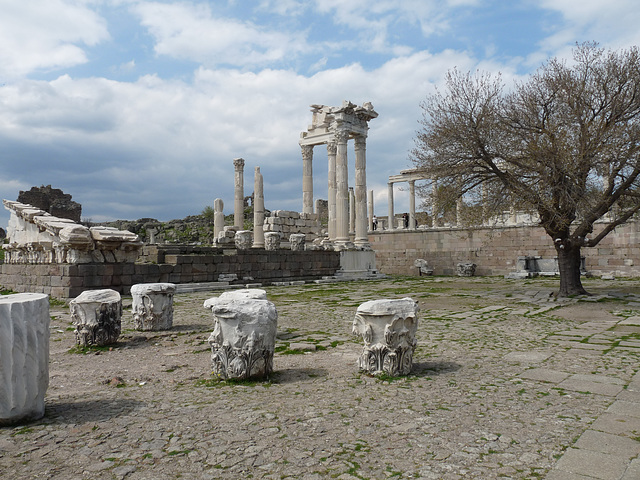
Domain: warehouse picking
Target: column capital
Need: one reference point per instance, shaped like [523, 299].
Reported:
[332, 148]
[307, 152]
[341, 136]
[238, 163]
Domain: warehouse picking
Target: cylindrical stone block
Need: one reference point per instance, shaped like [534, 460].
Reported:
[244, 336]
[152, 306]
[388, 328]
[97, 315]
[24, 356]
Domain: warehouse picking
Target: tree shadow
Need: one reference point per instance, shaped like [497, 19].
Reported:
[85, 411]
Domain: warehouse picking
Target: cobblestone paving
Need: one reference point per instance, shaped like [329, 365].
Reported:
[508, 382]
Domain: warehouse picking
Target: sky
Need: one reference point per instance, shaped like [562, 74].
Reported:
[137, 108]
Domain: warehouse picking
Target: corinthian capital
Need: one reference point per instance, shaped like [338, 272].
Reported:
[238, 163]
[360, 142]
[307, 152]
[341, 136]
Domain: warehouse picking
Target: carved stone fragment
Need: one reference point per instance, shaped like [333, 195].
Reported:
[466, 269]
[297, 241]
[97, 315]
[244, 334]
[244, 239]
[388, 328]
[271, 241]
[152, 306]
[24, 356]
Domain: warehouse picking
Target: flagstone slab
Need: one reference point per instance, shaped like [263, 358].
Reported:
[577, 385]
[621, 407]
[602, 466]
[617, 424]
[607, 443]
[544, 375]
[527, 357]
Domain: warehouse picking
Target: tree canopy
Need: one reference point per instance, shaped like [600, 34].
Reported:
[564, 144]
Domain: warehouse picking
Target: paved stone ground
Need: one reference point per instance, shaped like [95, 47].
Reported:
[507, 382]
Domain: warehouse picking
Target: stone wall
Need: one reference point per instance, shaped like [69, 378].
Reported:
[496, 250]
[68, 281]
[287, 222]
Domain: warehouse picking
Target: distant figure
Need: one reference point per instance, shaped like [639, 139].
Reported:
[405, 219]
[374, 220]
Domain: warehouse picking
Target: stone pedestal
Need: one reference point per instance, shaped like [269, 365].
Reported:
[24, 356]
[153, 306]
[388, 328]
[97, 315]
[297, 241]
[244, 335]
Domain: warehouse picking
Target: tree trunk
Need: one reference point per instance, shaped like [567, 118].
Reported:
[569, 265]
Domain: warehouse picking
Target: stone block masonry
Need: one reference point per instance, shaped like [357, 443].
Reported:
[495, 250]
[184, 265]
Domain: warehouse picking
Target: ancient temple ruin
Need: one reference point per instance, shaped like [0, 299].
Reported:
[333, 127]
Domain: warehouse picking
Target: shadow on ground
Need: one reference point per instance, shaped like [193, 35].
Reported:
[423, 369]
[69, 412]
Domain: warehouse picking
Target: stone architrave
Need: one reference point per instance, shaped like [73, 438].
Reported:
[258, 210]
[152, 306]
[36, 237]
[97, 316]
[244, 334]
[466, 269]
[272, 241]
[238, 204]
[218, 217]
[244, 239]
[297, 241]
[24, 356]
[388, 328]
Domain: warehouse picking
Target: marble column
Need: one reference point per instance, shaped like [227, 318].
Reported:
[342, 189]
[371, 213]
[218, 217]
[307, 178]
[24, 357]
[390, 220]
[412, 204]
[361, 238]
[238, 204]
[258, 210]
[352, 212]
[331, 154]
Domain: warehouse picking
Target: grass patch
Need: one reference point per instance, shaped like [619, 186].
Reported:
[85, 350]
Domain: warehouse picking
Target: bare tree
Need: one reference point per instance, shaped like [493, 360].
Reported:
[565, 145]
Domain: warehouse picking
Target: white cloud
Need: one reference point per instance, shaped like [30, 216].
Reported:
[614, 23]
[46, 34]
[193, 32]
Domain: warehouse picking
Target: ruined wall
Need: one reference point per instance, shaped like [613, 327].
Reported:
[495, 250]
[68, 281]
[53, 201]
